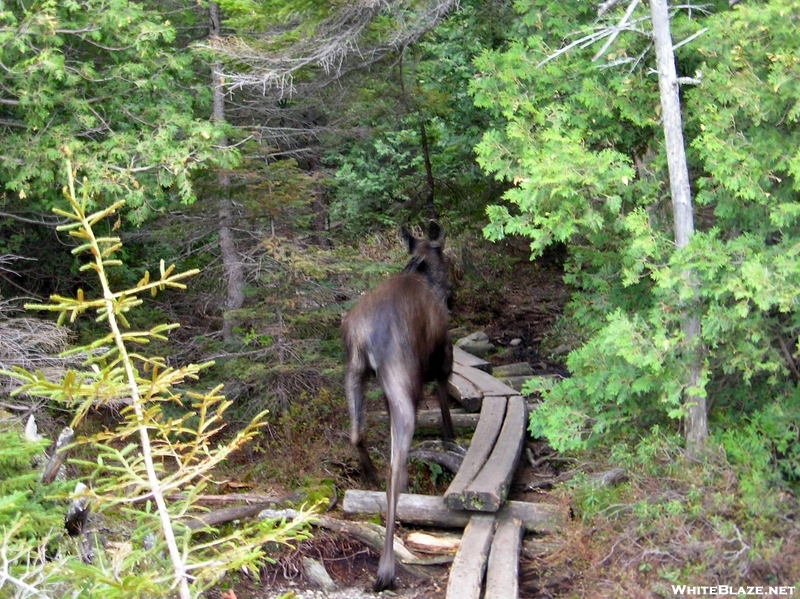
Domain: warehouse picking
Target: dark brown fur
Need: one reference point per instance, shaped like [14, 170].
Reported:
[399, 332]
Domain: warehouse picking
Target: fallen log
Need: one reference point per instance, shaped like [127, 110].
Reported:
[448, 459]
[509, 370]
[438, 543]
[228, 514]
[429, 510]
[59, 456]
[371, 535]
[538, 547]
[230, 498]
[431, 420]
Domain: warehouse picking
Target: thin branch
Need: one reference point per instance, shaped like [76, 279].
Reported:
[790, 363]
[622, 22]
[337, 47]
[44, 221]
[604, 7]
[690, 38]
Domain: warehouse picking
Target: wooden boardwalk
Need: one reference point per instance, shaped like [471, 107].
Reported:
[488, 557]
[487, 562]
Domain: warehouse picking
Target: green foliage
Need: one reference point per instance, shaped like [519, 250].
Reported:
[680, 521]
[109, 81]
[580, 144]
[379, 175]
[26, 504]
[149, 454]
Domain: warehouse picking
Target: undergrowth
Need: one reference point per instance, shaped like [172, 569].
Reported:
[142, 476]
[674, 521]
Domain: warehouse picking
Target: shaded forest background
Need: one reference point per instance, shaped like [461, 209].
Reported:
[276, 147]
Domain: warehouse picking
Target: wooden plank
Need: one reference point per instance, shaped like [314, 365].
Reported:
[464, 391]
[469, 565]
[485, 382]
[437, 543]
[502, 573]
[483, 442]
[516, 382]
[489, 489]
[516, 369]
[467, 359]
[430, 510]
[431, 420]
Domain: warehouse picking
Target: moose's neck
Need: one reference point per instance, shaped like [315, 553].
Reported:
[435, 279]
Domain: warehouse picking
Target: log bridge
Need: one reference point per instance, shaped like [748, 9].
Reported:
[487, 562]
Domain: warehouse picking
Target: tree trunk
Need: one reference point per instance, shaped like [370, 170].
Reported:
[694, 399]
[429, 195]
[232, 265]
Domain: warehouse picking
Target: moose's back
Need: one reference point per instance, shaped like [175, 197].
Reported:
[403, 322]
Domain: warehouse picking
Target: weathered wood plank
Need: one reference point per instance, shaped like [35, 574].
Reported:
[516, 369]
[502, 573]
[485, 382]
[469, 565]
[516, 382]
[489, 489]
[467, 359]
[440, 542]
[431, 420]
[430, 510]
[483, 442]
[464, 391]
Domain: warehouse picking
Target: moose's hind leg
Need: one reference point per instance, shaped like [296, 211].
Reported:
[448, 432]
[402, 420]
[354, 388]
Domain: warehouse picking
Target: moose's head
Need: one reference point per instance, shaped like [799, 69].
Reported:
[428, 260]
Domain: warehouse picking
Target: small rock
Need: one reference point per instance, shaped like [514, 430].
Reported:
[459, 332]
[505, 354]
[477, 344]
[515, 342]
[317, 575]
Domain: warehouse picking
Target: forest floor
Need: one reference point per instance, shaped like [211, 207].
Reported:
[518, 300]
[674, 520]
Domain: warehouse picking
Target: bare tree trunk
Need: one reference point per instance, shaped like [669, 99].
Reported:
[428, 169]
[423, 137]
[232, 265]
[695, 401]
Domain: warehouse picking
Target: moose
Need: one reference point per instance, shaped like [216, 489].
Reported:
[399, 333]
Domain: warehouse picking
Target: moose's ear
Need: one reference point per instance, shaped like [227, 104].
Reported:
[408, 239]
[435, 232]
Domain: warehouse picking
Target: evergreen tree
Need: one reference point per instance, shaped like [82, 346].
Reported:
[579, 142]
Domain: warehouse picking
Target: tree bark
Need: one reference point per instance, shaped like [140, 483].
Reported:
[429, 195]
[232, 265]
[430, 510]
[683, 219]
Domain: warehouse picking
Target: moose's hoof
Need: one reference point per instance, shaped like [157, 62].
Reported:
[382, 584]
